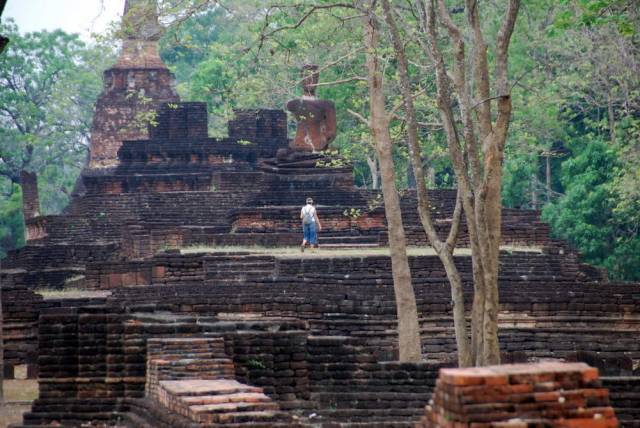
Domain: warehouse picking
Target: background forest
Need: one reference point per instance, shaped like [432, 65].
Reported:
[574, 143]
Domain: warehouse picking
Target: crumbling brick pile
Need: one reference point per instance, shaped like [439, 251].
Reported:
[550, 394]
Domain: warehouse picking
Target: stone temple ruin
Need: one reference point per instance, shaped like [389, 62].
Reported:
[173, 338]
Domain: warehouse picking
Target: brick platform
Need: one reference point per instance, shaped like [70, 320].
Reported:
[554, 395]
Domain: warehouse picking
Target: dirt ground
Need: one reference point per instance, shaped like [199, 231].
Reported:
[18, 395]
[12, 413]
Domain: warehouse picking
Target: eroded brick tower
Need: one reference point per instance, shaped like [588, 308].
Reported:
[136, 85]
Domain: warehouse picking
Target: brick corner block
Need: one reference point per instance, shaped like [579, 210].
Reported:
[549, 394]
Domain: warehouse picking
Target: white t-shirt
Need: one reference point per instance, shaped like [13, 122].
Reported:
[309, 210]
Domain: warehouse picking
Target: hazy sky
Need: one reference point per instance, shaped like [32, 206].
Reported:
[73, 16]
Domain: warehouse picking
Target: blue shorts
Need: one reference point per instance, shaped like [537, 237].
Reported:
[310, 234]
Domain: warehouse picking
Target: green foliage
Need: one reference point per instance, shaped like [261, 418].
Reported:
[375, 202]
[48, 84]
[352, 213]
[576, 99]
[333, 160]
[587, 216]
[587, 13]
[11, 223]
[256, 364]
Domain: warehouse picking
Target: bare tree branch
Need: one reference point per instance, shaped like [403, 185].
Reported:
[360, 117]
[264, 36]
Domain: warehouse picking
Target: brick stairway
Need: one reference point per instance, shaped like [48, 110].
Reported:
[194, 378]
[238, 268]
[220, 402]
[344, 240]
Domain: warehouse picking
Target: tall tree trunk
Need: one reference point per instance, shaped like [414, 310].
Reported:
[548, 176]
[444, 250]
[466, 183]
[612, 118]
[479, 174]
[534, 192]
[409, 345]
[372, 162]
[411, 177]
[431, 175]
[490, 238]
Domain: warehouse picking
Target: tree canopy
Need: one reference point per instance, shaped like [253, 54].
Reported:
[49, 82]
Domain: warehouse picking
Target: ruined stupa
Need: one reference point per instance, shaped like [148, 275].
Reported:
[136, 84]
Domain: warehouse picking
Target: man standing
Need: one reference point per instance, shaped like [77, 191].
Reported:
[310, 225]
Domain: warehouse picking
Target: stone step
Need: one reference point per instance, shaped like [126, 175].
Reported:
[411, 400]
[248, 417]
[200, 387]
[285, 423]
[240, 397]
[349, 245]
[216, 355]
[200, 360]
[239, 268]
[267, 424]
[371, 424]
[235, 263]
[626, 395]
[382, 417]
[239, 276]
[238, 257]
[340, 235]
[212, 413]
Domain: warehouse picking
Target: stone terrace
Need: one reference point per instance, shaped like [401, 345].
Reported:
[263, 340]
[317, 343]
[182, 188]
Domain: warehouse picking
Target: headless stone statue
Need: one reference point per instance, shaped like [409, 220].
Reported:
[316, 118]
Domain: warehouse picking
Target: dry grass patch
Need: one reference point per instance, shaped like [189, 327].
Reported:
[20, 390]
[12, 413]
[18, 395]
[335, 252]
[71, 293]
